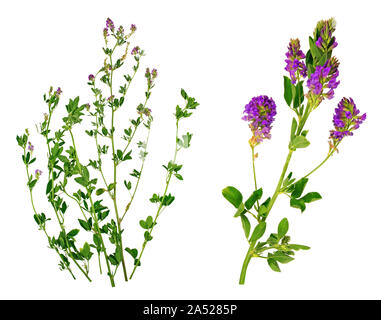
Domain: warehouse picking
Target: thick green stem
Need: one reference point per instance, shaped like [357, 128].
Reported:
[246, 262]
[115, 164]
[279, 185]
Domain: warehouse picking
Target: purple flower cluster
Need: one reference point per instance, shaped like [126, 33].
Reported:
[150, 75]
[105, 33]
[110, 25]
[295, 66]
[91, 77]
[58, 92]
[136, 50]
[324, 30]
[133, 28]
[260, 113]
[324, 77]
[346, 119]
[38, 173]
[30, 146]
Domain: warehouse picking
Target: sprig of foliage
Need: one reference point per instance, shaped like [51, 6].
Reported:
[321, 70]
[172, 169]
[85, 184]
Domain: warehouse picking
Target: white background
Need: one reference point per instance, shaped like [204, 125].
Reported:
[223, 53]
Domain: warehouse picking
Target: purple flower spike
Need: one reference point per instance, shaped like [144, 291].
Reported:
[346, 119]
[260, 113]
[295, 66]
[324, 34]
[91, 77]
[154, 73]
[324, 77]
[110, 24]
[105, 33]
[133, 28]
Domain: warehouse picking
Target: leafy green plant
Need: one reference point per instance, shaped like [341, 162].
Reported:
[321, 70]
[75, 186]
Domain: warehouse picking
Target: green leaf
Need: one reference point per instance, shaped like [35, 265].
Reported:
[85, 173]
[262, 211]
[273, 264]
[132, 252]
[118, 254]
[316, 53]
[113, 260]
[184, 94]
[85, 251]
[245, 225]
[299, 142]
[84, 224]
[233, 196]
[311, 196]
[293, 128]
[119, 153]
[82, 181]
[240, 210]
[73, 233]
[258, 232]
[147, 236]
[287, 90]
[179, 176]
[49, 186]
[97, 241]
[299, 95]
[143, 224]
[149, 222]
[299, 188]
[255, 196]
[297, 203]
[282, 228]
[282, 257]
[298, 247]
[100, 191]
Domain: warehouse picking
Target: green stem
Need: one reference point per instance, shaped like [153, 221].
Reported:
[324, 161]
[96, 224]
[118, 221]
[246, 262]
[62, 227]
[169, 176]
[255, 178]
[137, 182]
[279, 185]
[43, 226]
